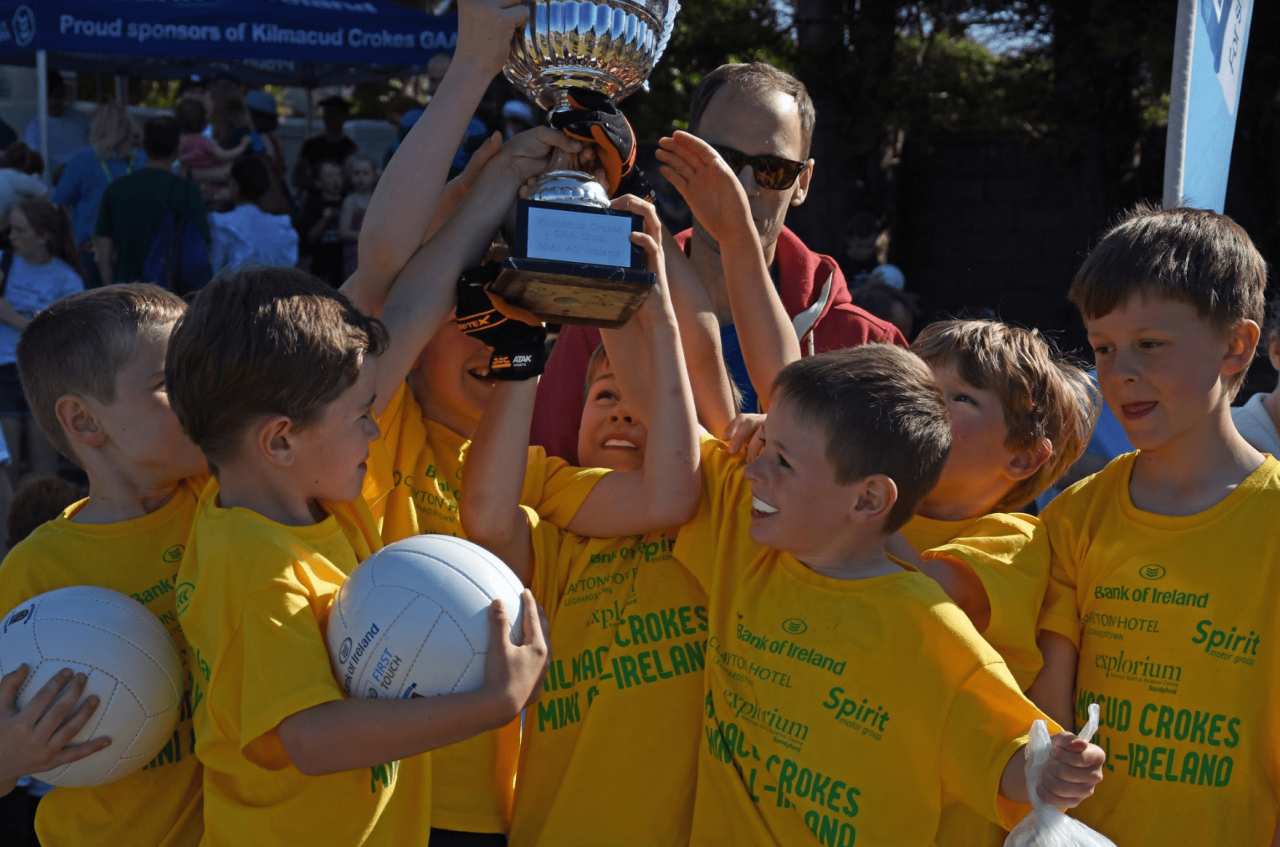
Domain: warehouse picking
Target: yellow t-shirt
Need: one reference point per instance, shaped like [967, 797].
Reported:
[254, 596]
[1009, 554]
[837, 710]
[160, 804]
[1175, 619]
[927, 533]
[412, 487]
[628, 636]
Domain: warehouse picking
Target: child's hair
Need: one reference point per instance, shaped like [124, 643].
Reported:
[79, 344]
[19, 157]
[595, 366]
[1042, 394]
[38, 500]
[883, 413]
[263, 341]
[53, 224]
[1194, 255]
[190, 115]
[349, 168]
[252, 177]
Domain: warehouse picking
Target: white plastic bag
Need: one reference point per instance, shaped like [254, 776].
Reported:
[1047, 826]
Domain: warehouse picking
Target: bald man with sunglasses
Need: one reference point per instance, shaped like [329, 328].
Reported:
[760, 121]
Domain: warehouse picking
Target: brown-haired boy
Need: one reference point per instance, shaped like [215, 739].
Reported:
[844, 694]
[1161, 604]
[93, 367]
[273, 374]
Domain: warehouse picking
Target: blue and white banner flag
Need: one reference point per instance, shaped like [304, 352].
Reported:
[1208, 67]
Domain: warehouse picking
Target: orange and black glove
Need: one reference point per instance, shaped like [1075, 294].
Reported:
[595, 119]
[517, 337]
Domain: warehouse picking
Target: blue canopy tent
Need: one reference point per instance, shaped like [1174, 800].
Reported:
[289, 42]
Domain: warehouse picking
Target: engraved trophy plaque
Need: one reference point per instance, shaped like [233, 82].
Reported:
[572, 260]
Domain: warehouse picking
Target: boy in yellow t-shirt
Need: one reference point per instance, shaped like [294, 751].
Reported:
[628, 623]
[845, 696]
[93, 367]
[1161, 605]
[273, 375]
[416, 467]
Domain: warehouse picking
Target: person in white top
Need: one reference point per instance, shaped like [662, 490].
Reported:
[247, 234]
[1259, 419]
[41, 266]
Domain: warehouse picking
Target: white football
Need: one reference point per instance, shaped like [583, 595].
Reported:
[412, 620]
[129, 658]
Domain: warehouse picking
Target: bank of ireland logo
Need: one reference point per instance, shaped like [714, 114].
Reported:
[24, 26]
[174, 553]
[794, 626]
[345, 652]
[1152, 572]
[373, 693]
[182, 596]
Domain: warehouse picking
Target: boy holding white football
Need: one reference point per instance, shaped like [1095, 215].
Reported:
[93, 368]
[274, 376]
[616, 691]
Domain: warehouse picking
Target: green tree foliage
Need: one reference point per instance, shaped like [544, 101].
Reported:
[707, 34]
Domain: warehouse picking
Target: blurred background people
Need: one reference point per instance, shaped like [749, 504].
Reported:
[113, 153]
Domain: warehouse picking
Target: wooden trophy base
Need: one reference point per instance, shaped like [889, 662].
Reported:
[575, 264]
[569, 293]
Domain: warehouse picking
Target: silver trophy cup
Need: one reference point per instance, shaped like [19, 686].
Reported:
[572, 260]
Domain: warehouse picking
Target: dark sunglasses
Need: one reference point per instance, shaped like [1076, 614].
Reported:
[772, 172]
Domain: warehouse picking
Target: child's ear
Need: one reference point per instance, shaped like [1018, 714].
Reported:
[875, 498]
[1025, 463]
[78, 422]
[1242, 341]
[274, 440]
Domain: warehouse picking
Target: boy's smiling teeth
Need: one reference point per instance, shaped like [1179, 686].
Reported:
[761, 506]
[618, 442]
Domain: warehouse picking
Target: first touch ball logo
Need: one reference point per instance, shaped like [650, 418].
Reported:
[373, 692]
[344, 652]
[17, 618]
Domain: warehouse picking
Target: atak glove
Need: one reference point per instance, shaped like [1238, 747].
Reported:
[595, 119]
[517, 337]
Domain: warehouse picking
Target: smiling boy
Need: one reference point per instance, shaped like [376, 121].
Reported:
[845, 695]
[1161, 603]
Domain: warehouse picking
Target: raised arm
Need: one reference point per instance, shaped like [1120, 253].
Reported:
[700, 340]
[424, 291]
[717, 200]
[649, 363]
[404, 202]
[489, 505]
